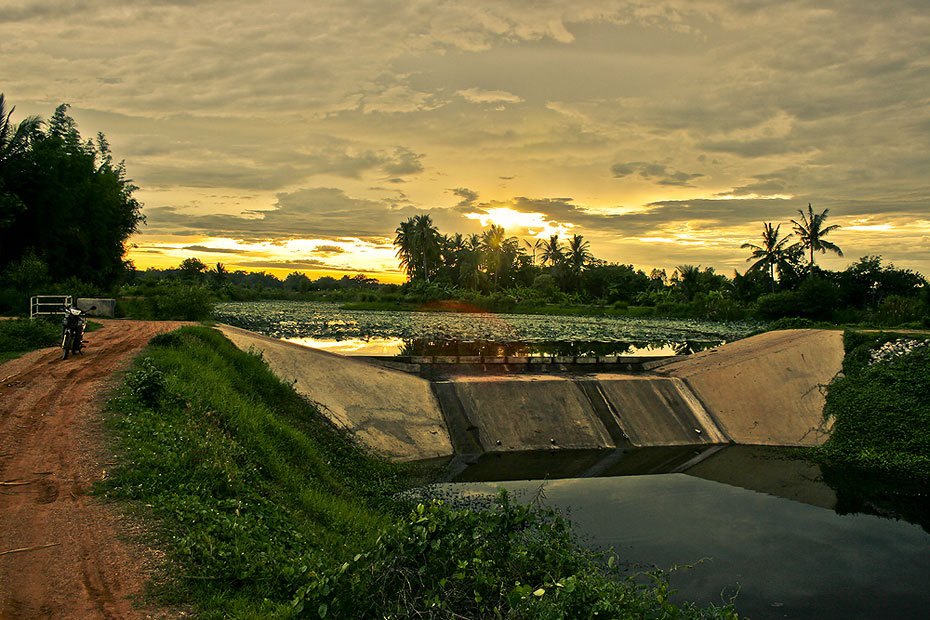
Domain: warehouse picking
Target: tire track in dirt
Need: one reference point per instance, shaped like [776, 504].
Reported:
[50, 455]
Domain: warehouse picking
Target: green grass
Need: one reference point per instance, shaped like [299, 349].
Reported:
[18, 336]
[266, 511]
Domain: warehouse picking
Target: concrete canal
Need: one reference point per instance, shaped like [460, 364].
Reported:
[724, 495]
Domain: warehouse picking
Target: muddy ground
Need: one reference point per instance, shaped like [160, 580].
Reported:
[63, 553]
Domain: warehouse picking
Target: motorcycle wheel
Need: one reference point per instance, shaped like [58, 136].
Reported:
[66, 345]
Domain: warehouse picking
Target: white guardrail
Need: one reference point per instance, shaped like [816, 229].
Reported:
[42, 305]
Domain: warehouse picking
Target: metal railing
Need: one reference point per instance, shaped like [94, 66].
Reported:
[41, 305]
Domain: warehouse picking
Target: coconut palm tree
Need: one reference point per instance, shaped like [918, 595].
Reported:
[774, 253]
[552, 251]
[578, 254]
[492, 243]
[426, 242]
[533, 247]
[810, 231]
[405, 241]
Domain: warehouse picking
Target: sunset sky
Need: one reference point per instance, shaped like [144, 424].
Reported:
[296, 135]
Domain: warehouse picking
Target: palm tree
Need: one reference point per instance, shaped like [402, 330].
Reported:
[810, 231]
[688, 280]
[552, 251]
[533, 247]
[405, 240]
[772, 254]
[426, 237]
[493, 244]
[578, 254]
[14, 139]
[219, 273]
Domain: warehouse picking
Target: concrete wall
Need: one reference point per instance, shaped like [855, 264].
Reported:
[102, 306]
[764, 390]
[768, 389]
[393, 413]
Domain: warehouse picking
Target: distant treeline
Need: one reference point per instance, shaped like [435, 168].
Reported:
[867, 291]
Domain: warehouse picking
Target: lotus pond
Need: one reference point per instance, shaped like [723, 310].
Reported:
[373, 332]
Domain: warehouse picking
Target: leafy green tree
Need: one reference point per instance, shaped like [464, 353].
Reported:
[219, 274]
[774, 253]
[192, 269]
[65, 200]
[15, 141]
[811, 231]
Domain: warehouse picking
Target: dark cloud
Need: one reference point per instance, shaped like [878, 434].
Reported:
[309, 213]
[328, 249]
[404, 162]
[203, 248]
[762, 147]
[659, 173]
[306, 263]
[468, 198]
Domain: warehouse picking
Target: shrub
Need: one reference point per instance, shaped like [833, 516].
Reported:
[880, 410]
[511, 561]
[779, 305]
[895, 310]
[20, 335]
[167, 301]
[792, 323]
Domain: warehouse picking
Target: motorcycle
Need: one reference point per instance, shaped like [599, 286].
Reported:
[72, 330]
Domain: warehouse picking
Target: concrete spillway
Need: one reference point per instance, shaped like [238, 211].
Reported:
[764, 390]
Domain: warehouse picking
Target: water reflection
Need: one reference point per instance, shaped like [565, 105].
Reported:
[422, 346]
[785, 559]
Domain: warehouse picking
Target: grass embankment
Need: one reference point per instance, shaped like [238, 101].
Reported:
[265, 511]
[881, 409]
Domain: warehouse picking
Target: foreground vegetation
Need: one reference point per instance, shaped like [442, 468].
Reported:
[880, 409]
[18, 336]
[266, 511]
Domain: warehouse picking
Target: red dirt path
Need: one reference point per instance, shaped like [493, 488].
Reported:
[51, 454]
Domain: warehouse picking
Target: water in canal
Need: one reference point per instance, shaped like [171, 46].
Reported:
[752, 523]
[780, 546]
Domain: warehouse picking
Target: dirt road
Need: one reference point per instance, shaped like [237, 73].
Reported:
[62, 555]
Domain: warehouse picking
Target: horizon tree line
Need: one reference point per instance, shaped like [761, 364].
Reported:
[487, 260]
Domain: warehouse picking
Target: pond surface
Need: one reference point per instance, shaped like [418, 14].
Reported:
[782, 558]
[364, 332]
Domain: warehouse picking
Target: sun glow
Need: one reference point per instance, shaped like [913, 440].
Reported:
[314, 257]
[535, 224]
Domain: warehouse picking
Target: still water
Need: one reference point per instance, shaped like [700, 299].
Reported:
[781, 558]
[361, 332]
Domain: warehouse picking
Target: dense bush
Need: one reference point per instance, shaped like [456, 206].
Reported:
[170, 300]
[880, 410]
[19, 335]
